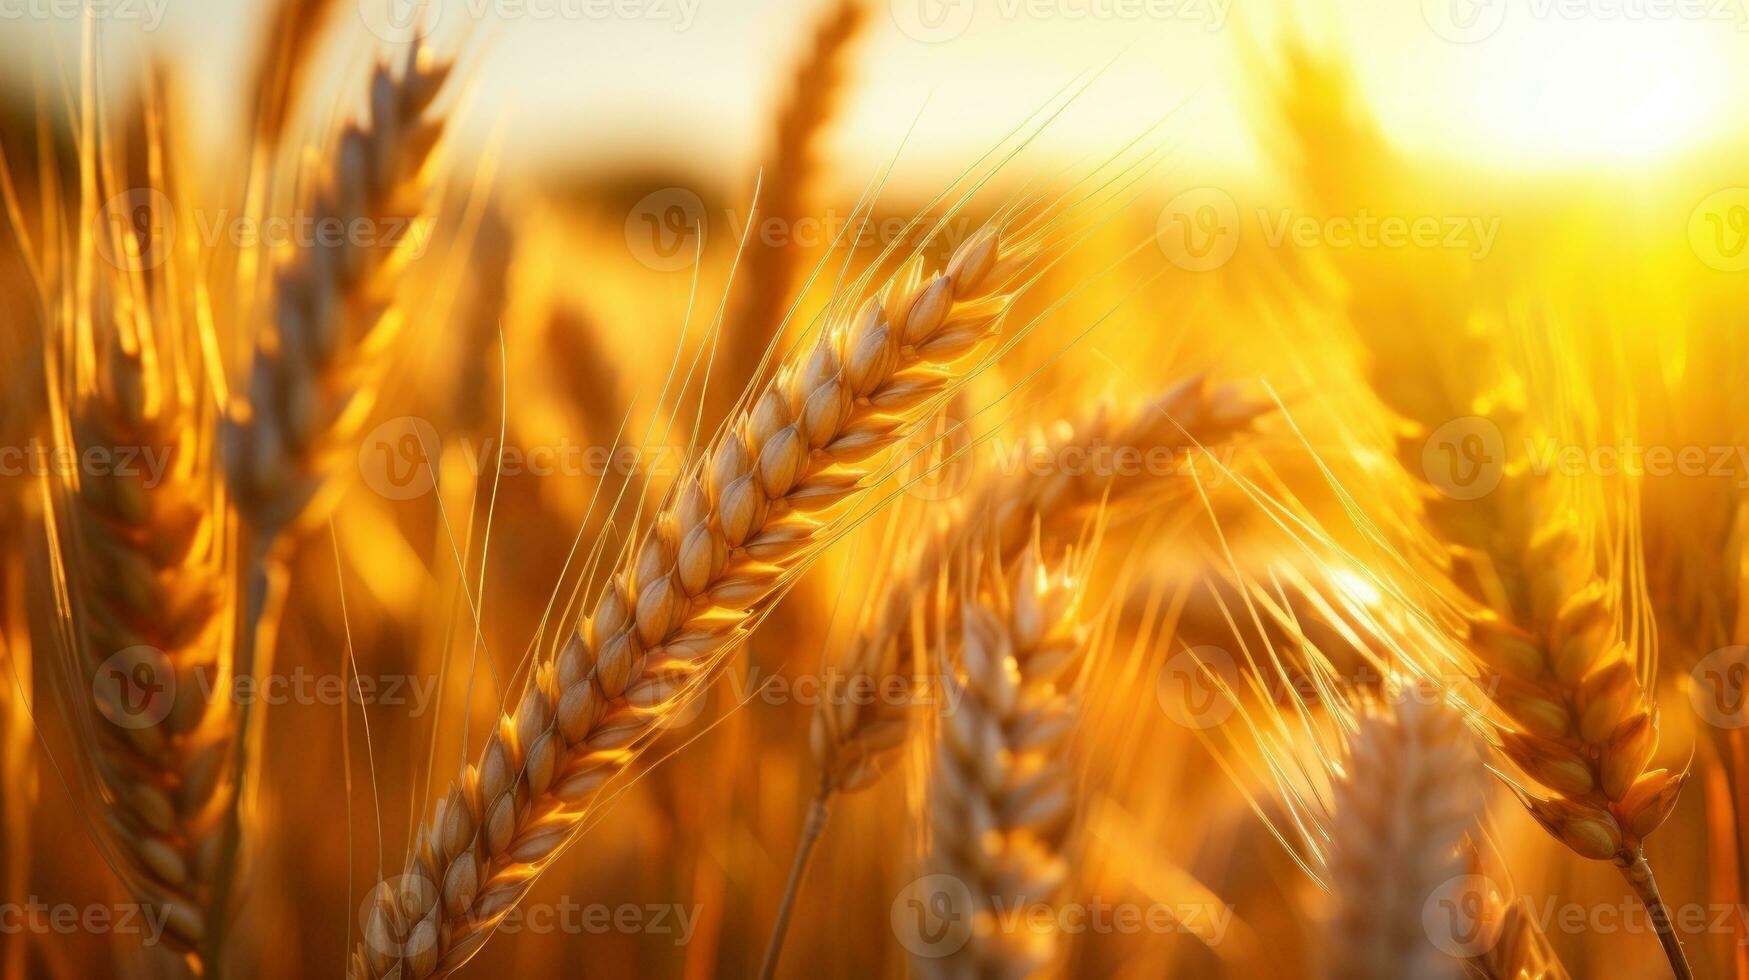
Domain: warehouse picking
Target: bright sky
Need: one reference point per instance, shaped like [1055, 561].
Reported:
[1547, 84]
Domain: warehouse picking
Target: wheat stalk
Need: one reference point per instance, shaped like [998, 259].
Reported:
[314, 375]
[1000, 791]
[18, 778]
[717, 553]
[1406, 796]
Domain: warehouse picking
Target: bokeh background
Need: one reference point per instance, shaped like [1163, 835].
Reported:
[1584, 165]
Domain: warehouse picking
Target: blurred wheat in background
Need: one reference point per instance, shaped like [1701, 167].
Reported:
[954, 488]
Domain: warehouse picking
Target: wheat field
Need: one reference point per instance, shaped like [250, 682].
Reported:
[874, 488]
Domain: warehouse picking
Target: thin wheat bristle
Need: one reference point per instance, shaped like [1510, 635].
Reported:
[1001, 787]
[706, 568]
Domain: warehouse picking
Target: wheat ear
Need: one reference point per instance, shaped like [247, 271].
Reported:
[852, 738]
[718, 551]
[314, 375]
[151, 581]
[1408, 792]
[1000, 791]
[853, 735]
[1545, 635]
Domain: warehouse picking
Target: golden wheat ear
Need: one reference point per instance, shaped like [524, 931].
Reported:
[738, 526]
[149, 579]
[1001, 787]
[853, 738]
[1408, 793]
[333, 313]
